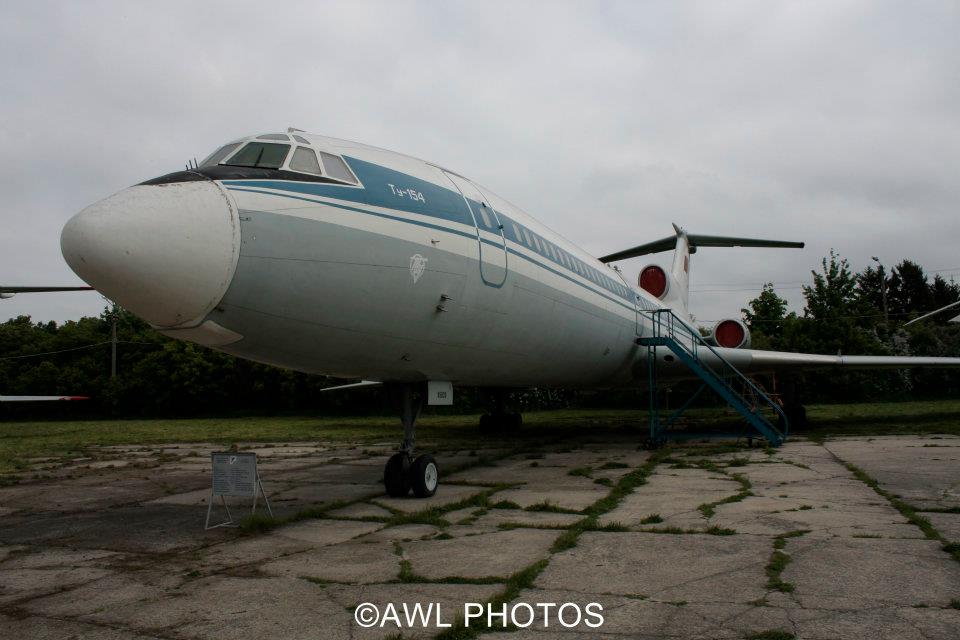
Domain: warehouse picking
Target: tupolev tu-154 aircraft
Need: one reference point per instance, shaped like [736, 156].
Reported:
[332, 257]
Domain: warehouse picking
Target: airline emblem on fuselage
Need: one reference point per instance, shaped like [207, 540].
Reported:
[417, 266]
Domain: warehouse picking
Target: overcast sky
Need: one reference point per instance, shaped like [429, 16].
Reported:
[836, 123]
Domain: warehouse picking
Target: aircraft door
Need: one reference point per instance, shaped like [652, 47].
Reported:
[493, 247]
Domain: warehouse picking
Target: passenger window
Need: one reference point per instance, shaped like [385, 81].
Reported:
[337, 168]
[526, 237]
[260, 154]
[305, 160]
[516, 232]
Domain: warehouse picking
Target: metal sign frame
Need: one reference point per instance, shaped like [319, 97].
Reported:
[234, 474]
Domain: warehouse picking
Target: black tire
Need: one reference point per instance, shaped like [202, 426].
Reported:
[424, 476]
[396, 475]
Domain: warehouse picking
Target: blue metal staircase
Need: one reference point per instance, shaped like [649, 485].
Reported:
[686, 343]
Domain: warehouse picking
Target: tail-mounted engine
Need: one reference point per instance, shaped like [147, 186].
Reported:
[654, 281]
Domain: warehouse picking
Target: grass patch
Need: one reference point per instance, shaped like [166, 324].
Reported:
[779, 561]
[613, 465]
[719, 531]
[548, 507]
[709, 509]
[606, 482]
[652, 519]
[613, 527]
[22, 440]
[583, 472]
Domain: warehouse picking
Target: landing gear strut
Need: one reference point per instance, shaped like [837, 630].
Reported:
[403, 471]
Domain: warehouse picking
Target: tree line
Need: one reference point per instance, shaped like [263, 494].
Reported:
[845, 312]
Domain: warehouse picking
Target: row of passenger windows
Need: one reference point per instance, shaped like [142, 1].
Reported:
[270, 155]
[549, 250]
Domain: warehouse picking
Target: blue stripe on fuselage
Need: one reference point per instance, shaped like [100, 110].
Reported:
[448, 230]
[445, 204]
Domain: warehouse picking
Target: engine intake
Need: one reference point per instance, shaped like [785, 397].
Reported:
[654, 281]
[731, 334]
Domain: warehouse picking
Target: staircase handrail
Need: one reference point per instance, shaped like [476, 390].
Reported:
[655, 314]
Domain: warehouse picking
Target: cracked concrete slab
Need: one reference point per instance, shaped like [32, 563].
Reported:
[702, 568]
[674, 495]
[494, 554]
[640, 617]
[858, 573]
[893, 462]
[774, 516]
[357, 562]
[132, 560]
[40, 628]
[948, 524]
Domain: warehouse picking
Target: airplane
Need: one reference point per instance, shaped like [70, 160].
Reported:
[338, 258]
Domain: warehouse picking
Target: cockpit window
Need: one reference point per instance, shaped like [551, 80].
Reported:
[300, 139]
[305, 160]
[219, 154]
[260, 154]
[337, 168]
[273, 136]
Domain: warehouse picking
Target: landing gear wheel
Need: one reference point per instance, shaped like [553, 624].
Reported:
[396, 475]
[424, 476]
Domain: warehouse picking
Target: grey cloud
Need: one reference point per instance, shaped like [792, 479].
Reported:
[836, 123]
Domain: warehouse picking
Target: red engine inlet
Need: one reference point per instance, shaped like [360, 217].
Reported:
[731, 334]
[654, 281]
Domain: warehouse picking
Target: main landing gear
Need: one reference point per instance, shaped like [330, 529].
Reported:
[403, 471]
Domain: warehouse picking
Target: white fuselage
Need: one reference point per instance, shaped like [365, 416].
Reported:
[401, 272]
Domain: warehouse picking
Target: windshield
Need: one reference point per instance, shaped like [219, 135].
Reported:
[260, 154]
[219, 154]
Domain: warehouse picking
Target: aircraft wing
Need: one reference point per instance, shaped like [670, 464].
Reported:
[40, 398]
[754, 360]
[9, 292]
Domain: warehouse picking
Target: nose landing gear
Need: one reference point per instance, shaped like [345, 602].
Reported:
[403, 471]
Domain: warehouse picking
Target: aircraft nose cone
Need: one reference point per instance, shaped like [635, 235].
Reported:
[164, 252]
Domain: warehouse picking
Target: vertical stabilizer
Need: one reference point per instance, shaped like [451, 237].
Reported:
[678, 295]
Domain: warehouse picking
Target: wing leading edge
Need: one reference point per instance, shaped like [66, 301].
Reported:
[762, 361]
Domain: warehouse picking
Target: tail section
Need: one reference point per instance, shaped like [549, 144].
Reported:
[678, 296]
[676, 292]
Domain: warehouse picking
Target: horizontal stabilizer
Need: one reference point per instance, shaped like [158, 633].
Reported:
[696, 240]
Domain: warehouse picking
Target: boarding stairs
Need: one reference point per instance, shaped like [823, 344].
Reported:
[764, 417]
